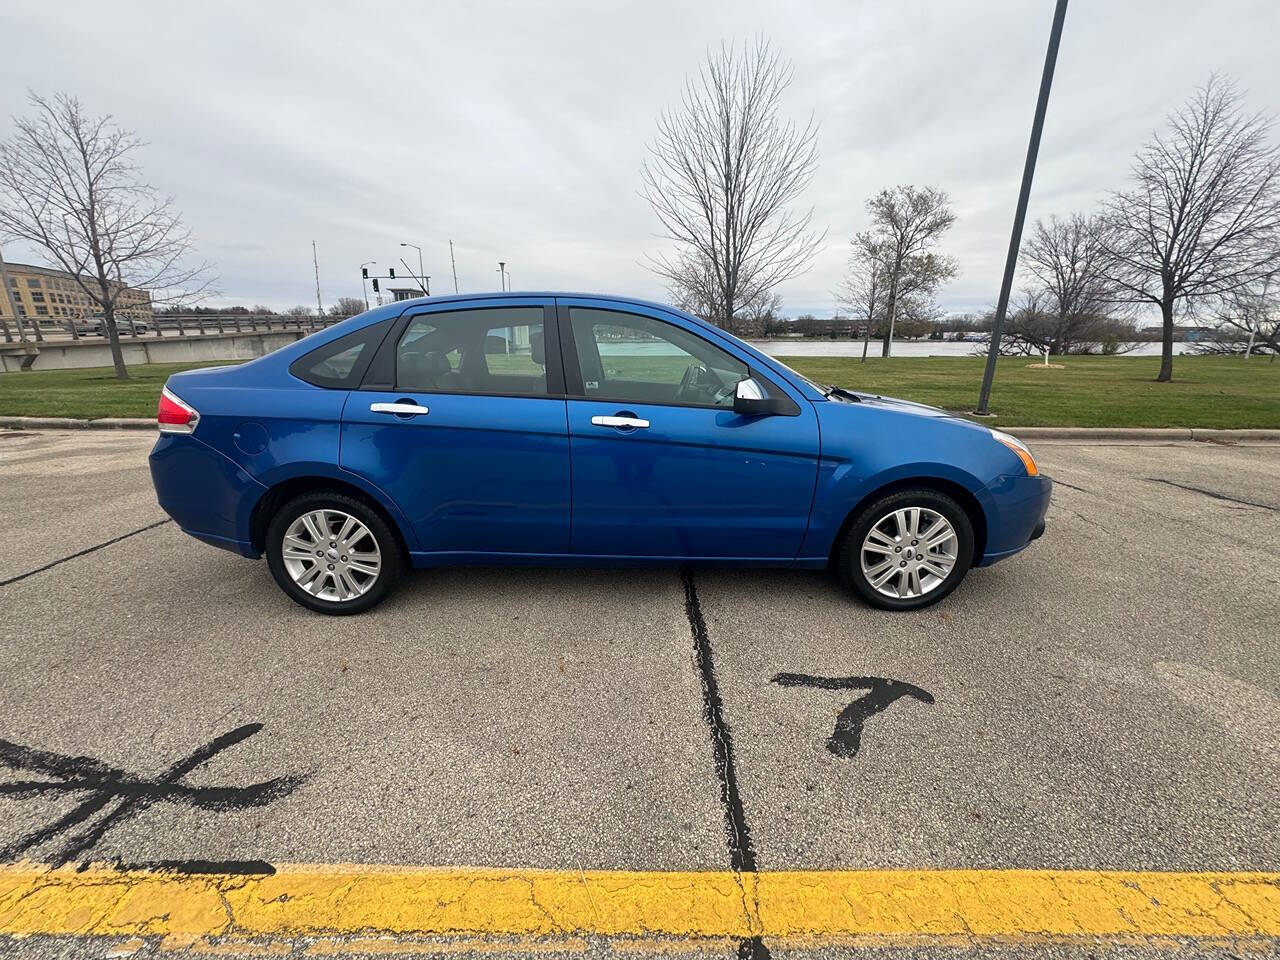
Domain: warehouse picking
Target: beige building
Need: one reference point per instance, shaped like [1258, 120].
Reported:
[53, 298]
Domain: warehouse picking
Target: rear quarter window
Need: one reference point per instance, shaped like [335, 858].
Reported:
[341, 363]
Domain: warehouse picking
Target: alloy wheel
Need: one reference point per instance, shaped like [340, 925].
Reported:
[909, 553]
[331, 555]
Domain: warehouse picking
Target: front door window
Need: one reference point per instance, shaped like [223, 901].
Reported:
[636, 359]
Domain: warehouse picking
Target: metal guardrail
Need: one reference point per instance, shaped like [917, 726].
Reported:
[194, 325]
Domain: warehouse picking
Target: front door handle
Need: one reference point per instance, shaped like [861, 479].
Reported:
[401, 409]
[633, 423]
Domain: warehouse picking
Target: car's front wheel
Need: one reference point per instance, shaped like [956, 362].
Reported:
[907, 550]
[333, 553]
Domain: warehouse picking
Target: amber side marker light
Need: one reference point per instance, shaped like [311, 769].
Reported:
[1020, 448]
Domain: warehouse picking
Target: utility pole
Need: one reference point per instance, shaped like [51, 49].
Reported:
[315, 262]
[1028, 172]
[453, 263]
[364, 286]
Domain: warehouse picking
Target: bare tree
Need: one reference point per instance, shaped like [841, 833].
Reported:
[722, 176]
[347, 307]
[907, 222]
[1073, 296]
[694, 291]
[1246, 322]
[864, 289]
[1035, 325]
[69, 185]
[883, 289]
[1202, 219]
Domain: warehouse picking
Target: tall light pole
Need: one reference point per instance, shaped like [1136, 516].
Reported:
[1028, 172]
[453, 263]
[315, 262]
[364, 287]
[421, 272]
[502, 274]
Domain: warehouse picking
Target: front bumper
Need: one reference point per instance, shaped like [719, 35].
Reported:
[1020, 505]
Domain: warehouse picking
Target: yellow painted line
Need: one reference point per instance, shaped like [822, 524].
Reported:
[319, 901]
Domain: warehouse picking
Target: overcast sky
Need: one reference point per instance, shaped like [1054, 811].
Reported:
[518, 129]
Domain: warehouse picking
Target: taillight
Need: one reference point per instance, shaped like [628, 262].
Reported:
[175, 416]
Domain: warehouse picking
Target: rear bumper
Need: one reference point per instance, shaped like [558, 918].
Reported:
[1021, 504]
[207, 494]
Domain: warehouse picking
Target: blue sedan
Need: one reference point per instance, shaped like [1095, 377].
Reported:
[566, 429]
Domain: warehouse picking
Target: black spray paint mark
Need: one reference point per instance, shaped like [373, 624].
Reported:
[742, 855]
[130, 793]
[1210, 493]
[846, 739]
[81, 553]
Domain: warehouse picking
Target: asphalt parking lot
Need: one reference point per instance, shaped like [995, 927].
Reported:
[1107, 701]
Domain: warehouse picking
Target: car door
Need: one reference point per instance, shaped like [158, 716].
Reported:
[662, 466]
[461, 420]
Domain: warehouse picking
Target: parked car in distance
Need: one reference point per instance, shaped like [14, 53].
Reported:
[96, 326]
[555, 429]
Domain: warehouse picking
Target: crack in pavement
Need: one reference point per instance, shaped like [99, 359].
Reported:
[1213, 494]
[742, 855]
[81, 553]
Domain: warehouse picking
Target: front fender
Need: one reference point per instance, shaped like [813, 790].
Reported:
[841, 490]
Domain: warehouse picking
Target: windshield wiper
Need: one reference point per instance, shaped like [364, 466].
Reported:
[843, 392]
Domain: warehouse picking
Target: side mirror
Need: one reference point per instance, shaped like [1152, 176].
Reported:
[750, 400]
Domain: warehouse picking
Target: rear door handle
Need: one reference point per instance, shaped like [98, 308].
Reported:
[403, 409]
[634, 423]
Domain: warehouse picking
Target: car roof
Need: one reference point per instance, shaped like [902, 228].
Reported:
[538, 294]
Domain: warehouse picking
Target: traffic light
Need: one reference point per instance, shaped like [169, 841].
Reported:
[375, 284]
[391, 273]
[364, 273]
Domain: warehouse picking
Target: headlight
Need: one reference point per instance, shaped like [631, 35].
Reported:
[1020, 448]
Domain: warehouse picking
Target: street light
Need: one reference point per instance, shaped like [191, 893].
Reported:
[1028, 171]
[421, 272]
[502, 274]
[364, 275]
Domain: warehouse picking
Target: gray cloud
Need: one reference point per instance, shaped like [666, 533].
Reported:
[518, 129]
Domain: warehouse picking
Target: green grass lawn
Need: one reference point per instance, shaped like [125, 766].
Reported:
[1088, 392]
[89, 393]
[1226, 392]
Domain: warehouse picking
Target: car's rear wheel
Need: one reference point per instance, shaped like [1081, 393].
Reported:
[333, 553]
[907, 550]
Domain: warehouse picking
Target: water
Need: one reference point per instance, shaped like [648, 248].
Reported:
[908, 348]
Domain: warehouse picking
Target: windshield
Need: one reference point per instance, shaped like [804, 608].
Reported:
[823, 389]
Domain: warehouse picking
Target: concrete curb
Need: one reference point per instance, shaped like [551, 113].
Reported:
[1024, 433]
[70, 423]
[1203, 434]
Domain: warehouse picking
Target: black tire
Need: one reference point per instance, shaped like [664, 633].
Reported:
[849, 563]
[391, 555]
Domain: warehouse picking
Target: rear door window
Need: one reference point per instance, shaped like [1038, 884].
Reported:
[499, 351]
